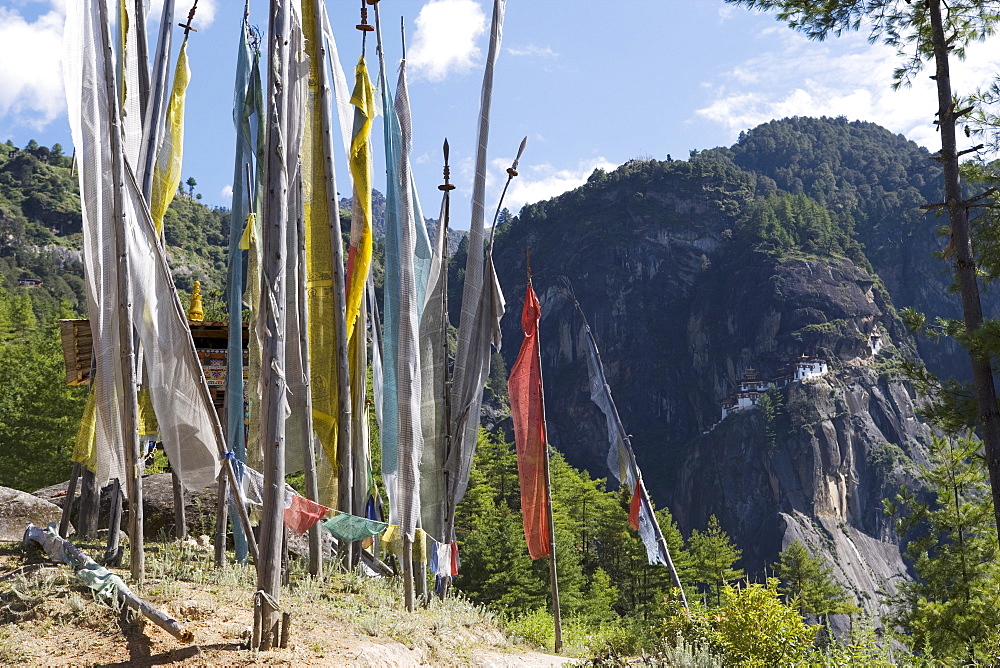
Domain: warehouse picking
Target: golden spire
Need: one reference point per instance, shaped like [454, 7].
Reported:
[196, 312]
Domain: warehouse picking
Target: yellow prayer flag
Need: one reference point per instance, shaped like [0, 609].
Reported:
[167, 170]
[84, 451]
[360, 257]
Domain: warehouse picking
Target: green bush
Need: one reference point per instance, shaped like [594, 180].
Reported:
[756, 628]
[535, 628]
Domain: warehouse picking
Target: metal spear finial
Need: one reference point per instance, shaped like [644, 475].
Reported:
[447, 185]
[188, 27]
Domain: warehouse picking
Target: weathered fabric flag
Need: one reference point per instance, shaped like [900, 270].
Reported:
[298, 425]
[410, 435]
[319, 209]
[188, 423]
[621, 461]
[433, 388]
[482, 307]
[635, 508]
[528, 413]
[247, 117]
[302, 513]
[90, 107]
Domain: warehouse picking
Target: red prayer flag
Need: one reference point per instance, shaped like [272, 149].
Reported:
[302, 514]
[525, 389]
[634, 508]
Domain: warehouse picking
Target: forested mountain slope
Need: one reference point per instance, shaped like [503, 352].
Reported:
[692, 273]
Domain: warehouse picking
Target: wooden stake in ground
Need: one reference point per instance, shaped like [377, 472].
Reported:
[67, 509]
[272, 439]
[112, 553]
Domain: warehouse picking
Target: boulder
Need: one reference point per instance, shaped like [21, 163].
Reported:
[157, 505]
[18, 509]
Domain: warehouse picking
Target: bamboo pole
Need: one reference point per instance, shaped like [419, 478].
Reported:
[275, 259]
[553, 574]
[130, 425]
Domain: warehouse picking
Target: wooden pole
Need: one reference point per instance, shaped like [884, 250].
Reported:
[78, 561]
[553, 575]
[67, 509]
[221, 519]
[180, 513]
[90, 506]
[308, 448]
[359, 425]
[274, 275]
[112, 553]
[130, 425]
[446, 188]
[408, 572]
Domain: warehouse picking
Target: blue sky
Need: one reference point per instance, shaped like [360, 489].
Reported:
[591, 83]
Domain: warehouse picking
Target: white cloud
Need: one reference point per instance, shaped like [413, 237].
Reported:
[31, 88]
[445, 38]
[533, 51]
[544, 181]
[203, 18]
[226, 193]
[841, 77]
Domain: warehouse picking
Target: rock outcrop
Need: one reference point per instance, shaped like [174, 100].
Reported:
[683, 303]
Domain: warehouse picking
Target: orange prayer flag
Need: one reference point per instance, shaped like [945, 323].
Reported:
[525, 389]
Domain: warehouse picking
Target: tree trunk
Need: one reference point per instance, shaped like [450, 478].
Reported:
[965, 264]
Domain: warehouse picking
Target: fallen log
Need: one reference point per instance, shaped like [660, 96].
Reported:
[100, 579]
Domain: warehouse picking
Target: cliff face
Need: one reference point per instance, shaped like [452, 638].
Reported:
[682, 307]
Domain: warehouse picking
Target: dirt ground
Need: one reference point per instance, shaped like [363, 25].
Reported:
[48, 618]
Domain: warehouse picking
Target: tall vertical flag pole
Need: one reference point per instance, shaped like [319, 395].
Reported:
[274, 403]
[130, 424]
[527, 408]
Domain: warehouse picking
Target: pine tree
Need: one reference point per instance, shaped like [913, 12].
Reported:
[712, 558]
[952, 608]
[807, 582]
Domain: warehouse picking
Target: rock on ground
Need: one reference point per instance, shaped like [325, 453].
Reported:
[18, 508]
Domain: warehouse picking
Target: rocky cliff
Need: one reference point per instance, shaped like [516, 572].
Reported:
[685, 294]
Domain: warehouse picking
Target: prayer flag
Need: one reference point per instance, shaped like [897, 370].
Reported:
[482, 307]
[634, 508]
[167, 171]
[527, 411]
[302, 513]
[360, 253]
